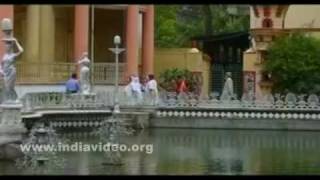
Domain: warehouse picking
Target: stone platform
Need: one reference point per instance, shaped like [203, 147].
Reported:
[11, 130]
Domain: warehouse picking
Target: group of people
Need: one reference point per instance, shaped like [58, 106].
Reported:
[138, 89]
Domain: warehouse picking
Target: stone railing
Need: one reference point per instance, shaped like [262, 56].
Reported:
[289, 101]
[60, 100]
[43, 100]
[48, 73]
[105, 99]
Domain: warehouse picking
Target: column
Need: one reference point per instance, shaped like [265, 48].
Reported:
[148, 41]
[33, 31]
[32, 45]
[6, 11]
[47, 41]
[81, 31]
[132, 40]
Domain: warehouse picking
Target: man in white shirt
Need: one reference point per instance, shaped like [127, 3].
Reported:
[227, 92]
[152, 89]
[135, 87]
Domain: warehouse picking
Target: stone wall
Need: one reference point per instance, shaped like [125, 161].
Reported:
[236, 119]
[205, 123]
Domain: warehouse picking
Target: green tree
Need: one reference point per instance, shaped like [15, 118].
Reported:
[176, 24]
[166, 26]
[294, 63]
[207, 13]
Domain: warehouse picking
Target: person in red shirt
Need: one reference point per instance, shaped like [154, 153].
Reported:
[181, 85]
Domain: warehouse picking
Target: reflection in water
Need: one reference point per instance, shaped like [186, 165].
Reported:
[195, 151]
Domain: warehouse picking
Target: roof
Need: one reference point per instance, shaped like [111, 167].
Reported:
[222, 36]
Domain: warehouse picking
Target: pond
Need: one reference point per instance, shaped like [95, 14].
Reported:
[196, 152]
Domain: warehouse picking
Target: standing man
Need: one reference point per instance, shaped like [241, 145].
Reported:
[152, 89]
[227, 92]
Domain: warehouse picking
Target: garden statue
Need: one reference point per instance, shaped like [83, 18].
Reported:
[253, 47]
[85, 86]
[11, 126]
[8, 70]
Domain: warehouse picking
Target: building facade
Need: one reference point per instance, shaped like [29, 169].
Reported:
[267, 22]
[55, 37]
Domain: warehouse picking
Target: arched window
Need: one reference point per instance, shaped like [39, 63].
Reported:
[267, 23]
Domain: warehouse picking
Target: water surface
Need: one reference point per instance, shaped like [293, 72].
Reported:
[197, 152]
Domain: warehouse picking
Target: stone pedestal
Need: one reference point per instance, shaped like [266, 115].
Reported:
[11, 126]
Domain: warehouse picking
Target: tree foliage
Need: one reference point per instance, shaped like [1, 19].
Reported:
[165, 25]
[294, 63]
[176, 24]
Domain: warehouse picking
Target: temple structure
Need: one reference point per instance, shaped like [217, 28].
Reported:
[55, 36]
[267, 22]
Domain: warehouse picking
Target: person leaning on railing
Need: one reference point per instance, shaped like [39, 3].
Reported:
[72, 85]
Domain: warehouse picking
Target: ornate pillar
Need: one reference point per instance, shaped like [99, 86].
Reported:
[47, 40]
[148, 41]
[132, 40]
[6, 11]
[81, 31]
[33, 31]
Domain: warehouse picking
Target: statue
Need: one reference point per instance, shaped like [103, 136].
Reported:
[227, 92]
[85, 86]
[8, 70]
[11, 127]
[253, 43]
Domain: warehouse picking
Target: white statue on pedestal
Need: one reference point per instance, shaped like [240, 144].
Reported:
[85, 85]
[8, 70]
[253, 46]
[11, 126]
